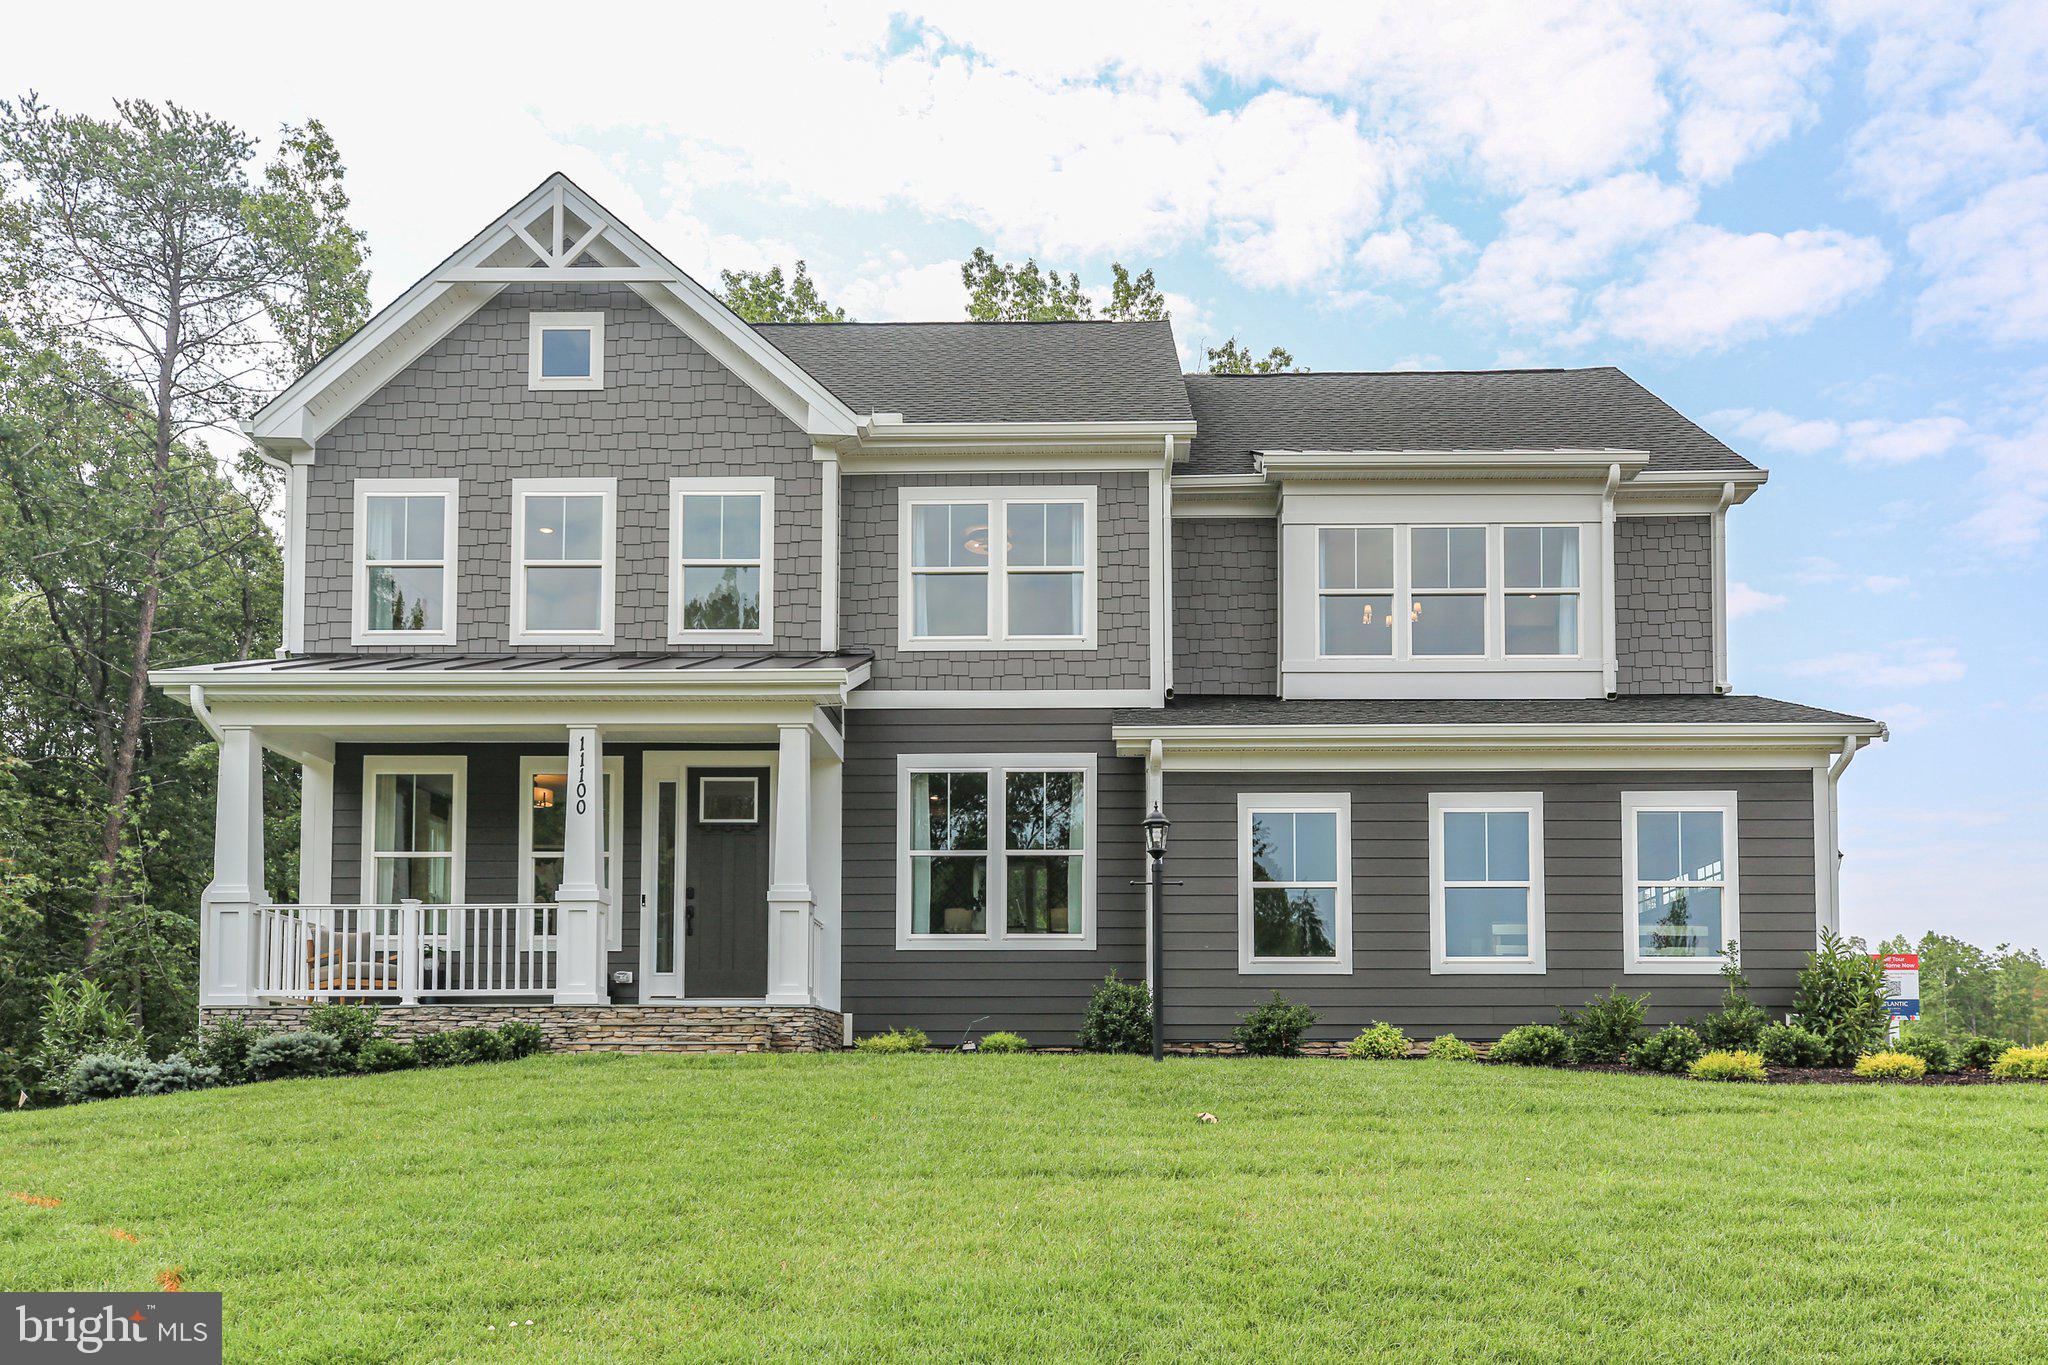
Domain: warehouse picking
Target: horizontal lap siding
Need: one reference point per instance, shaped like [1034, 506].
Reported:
[1039, 994]
[1391, 979]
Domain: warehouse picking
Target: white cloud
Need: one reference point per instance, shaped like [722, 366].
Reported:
[1902, 717]
[1910, 663]
[2012, 486]
[1418, 362]
[1748, 76]
[1988, 263]
[1744, 600]
[1883, 583]
[1707, 288]
[1905, 158]
[1881, 442]
[899, 291]
[1413, 255]
[1819, 570]
[1779, 431]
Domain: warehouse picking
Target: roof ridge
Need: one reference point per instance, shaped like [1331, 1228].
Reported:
[971, 322]
[1388, 374]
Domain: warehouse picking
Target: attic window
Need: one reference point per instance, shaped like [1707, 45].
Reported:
[565, 351]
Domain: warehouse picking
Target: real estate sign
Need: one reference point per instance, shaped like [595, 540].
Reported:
[1902, 983]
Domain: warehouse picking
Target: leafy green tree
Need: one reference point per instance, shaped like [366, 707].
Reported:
[1134, 298]
[1000, 292]
[1231, 358]
[765, 296]
[302, 212]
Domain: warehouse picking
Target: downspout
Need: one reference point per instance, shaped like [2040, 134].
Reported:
[1610, 666]
[1155, 786]
[1165, 552]
[1850, 744]
[828, 547]
[1721, 684]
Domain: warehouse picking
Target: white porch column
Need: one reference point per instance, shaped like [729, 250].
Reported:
[231, 907]
[582, 902]
[316, 832]
[789, 884]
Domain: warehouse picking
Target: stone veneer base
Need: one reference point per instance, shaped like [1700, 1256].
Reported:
[599, 1028]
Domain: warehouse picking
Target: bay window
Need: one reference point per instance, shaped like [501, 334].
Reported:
[1679, 871]
[995, 851]
[1486, 882]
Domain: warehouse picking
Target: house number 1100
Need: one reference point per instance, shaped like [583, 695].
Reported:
[582, 775]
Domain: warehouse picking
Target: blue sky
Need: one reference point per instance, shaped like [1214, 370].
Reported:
[1821, 230]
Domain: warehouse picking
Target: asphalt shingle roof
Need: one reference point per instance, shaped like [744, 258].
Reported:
[994, 371]
[1701, 710]
[1599, 408]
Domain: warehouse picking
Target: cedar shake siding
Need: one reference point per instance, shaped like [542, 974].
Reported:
[1226, 606]
[1664, 604]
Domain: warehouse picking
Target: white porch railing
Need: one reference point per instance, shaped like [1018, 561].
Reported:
[404, 951]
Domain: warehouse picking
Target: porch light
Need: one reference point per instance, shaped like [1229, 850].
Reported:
[1156, 825]
[543, 797]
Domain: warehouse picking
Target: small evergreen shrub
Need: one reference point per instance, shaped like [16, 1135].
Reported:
[436, 1049]
[302, 1052]
[78, 1019]
[1842, 998]
[1119, 1017]
[1004, 1041]
[1891, 1066]
[1670, 1049]
[1928, 1046]
[225, 1045]
[1727, 1066]
[1607, 1028]
[1977, 1053]
[1449, 1047]
[1791, 1045]
[894, 1041]
[386, 1054]
[522, 1039]
[1381, 1042]
[350, 1026]
[2022, 1064]
[1274, 1029]
[1532, 1045]
[1740, 1021]
[474, 1044]
[174, 1073]
[103, 1076]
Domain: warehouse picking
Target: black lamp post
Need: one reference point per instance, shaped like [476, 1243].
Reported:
[1156, 825]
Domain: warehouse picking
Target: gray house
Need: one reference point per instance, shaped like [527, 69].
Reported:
[680, 683]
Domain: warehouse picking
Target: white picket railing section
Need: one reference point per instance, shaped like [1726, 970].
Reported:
[405, 951]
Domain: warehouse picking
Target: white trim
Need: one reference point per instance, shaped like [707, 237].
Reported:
[998, 500]
[828, 548]
[678, 489]
[383, 765]
[1502, 463]
[605, 489]
[1158, 599]
[1009, 699]
[537, 323]
[996, 935]
[532, 766]
[1440, 962]
[295, 500]
[450, 493]
[1295, 803]
[704, 799]
[1719, 556]
[1723, 803]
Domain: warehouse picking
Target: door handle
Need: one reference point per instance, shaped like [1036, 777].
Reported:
[689, 921]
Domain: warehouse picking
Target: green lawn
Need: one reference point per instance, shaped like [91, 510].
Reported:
[986, 1208]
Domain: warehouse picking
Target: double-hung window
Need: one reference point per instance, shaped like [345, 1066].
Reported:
[1355, 591]
[543, 838]
[1541, 585]
[1679, 869]
[1447, 587]
[414, 815]
[1294, 882]
[565, 351]
[1486, 882]
[996, 851]
[1009, 567]
[405, 561]
[563, 552]
[721, 574]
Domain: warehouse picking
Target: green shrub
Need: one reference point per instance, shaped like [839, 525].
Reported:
[1791, 1045]
[1607, 1028]
[387, 1054]
[1740, 1021]
[103, 1076]
[1003, 1041]
[522, 1039]
[224, 1045]
[1532, 1045]
[1727, 1066]
[1891, 1066]
[174, 1073]
[475, 1044]
[894, 1041]
[1928, 1046]
[436, 1049]
[2022, 1064]
[1842, 997]
[78, 1019]
[350, 1026]
[1383, 1042]
[1119, 1017]
[1670, 1049]
[302, 1052]
[1977, 1053]
[1449, 1047]
[1274, 1029]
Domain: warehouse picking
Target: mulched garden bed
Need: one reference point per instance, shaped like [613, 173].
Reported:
[1818, 1075]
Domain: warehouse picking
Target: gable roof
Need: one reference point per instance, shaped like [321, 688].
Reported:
[1590, 409]
[994, 371]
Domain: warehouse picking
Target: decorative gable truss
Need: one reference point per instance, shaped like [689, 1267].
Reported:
[557, 234]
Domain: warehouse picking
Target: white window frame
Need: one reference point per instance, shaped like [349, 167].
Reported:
[450, 493]
[1405, 594]
[997, 574]
[1392, 592]
[678, 489]
[388, 765]
[1634, 804]
[607, 488]
[703, 801]
[531, 767]
[997, 936]
[1440, 963]
[1578, 593]
[593, 323]
[1293, 803]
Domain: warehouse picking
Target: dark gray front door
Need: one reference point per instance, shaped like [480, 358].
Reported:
[725, 885]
